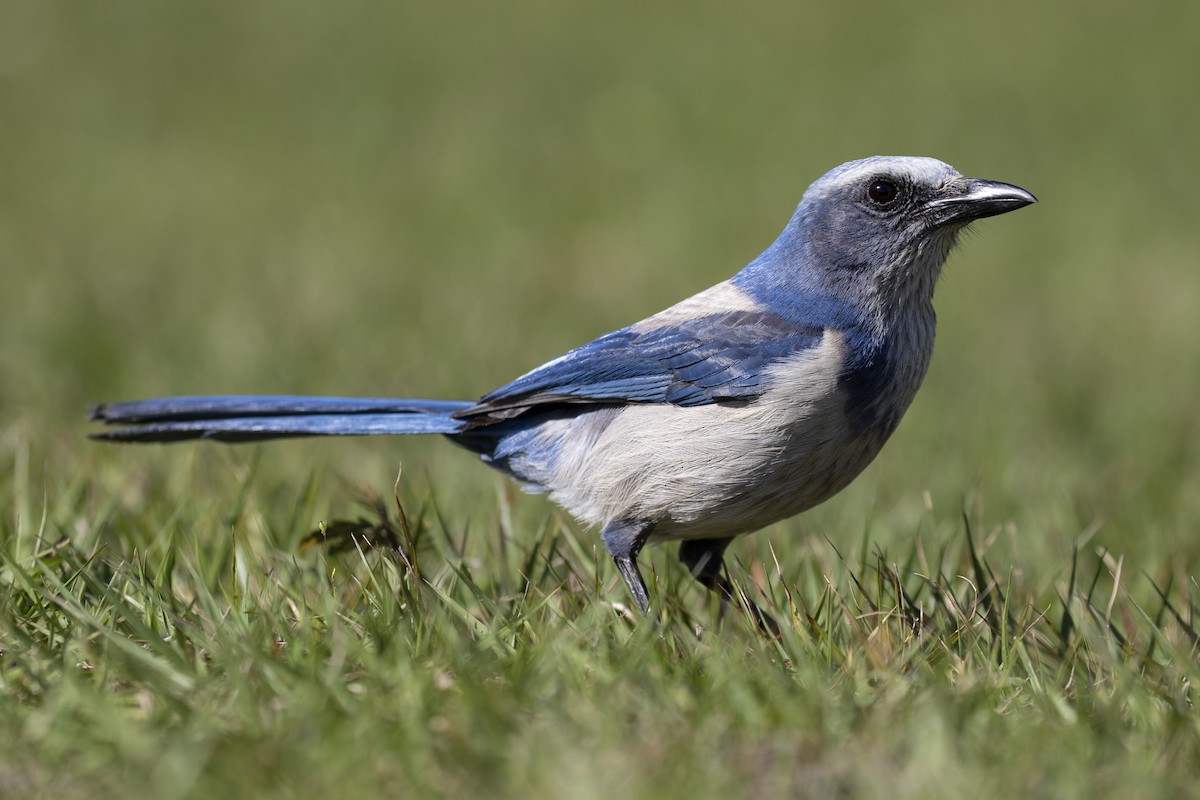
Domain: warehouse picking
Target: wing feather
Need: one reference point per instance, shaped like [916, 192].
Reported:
[707, 359]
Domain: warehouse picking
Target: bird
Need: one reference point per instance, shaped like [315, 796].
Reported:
[745, 404]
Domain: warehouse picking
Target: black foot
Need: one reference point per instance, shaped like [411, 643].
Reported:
[624, 540]
[703, 558]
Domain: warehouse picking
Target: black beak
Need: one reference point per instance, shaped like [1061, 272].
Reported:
[981, 199]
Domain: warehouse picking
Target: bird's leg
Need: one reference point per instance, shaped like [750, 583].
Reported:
[703, 558]
[624, 540]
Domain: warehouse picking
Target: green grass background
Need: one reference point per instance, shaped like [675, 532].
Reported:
[428, 199]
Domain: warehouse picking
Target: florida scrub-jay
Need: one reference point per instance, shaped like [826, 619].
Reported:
[747, 403]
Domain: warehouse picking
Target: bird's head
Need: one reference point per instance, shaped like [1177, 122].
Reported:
[885, 224]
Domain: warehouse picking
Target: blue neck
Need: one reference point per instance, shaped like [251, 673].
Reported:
[785, 280]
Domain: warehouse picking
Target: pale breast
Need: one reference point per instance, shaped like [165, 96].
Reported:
[728, 468]
[722, 469]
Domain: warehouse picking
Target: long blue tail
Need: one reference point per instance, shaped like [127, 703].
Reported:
[247, 418]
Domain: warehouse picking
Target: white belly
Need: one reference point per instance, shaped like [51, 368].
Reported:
[721, 469]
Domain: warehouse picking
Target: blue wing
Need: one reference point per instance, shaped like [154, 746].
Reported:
[704, 360]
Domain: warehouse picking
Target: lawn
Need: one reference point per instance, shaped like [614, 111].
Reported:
[429, 199]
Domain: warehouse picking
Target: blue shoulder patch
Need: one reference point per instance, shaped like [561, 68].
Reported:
[716, 357]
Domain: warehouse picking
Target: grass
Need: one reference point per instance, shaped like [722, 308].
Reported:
[412, 665]
[429, 199]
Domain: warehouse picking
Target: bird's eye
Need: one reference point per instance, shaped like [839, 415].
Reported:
[883, 191]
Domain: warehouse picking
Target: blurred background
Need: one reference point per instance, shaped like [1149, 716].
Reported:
[430, 198]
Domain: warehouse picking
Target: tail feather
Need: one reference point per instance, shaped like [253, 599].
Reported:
[243, 418]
